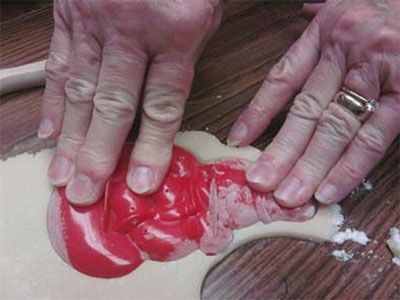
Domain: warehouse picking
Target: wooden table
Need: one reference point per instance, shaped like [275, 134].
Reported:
[252, 37]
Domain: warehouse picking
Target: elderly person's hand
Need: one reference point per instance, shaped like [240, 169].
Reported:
[324, 148]
[104, 57]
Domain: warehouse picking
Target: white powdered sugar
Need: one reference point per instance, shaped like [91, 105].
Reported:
[342, 255]
[338, 218]
[395, 234]
[351, 235]
[367, 185]
[396, 261]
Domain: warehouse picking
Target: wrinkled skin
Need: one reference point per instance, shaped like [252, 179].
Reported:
[322, 148]
[105, 56]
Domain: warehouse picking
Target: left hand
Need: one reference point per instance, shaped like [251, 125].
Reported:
[323, 148]
[107, 59]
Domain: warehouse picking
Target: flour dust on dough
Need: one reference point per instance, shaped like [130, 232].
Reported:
[30, 268]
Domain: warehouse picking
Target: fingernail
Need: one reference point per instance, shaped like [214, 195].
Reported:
[260, 174]
[288, 190]
[46, 129]
[140, 181]
[80, 190]
[237, 134]
[309, 212]
[304, 212]
[326, 194]
[60, 170]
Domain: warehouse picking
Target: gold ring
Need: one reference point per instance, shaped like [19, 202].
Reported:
[361, 107]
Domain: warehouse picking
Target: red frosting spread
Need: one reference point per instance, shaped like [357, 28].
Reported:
[197, 207]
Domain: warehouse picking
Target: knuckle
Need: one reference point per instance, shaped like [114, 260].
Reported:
[120, 63]
[386, 39]
[352, 171]
[361, 75]
[284, 145]
[281, 72]
[173, 80]
[385, 36]
[164, 101]
[337, 125]
[371, 140]
[163, 111]
[307, 106]
[153, 144]
[257, 111]
[79, 90]
[347, 22]
[344, 28]
[312, 165]
[114, 105]
[95, 163]
[192, 18]
[209, 9]
[69, 139]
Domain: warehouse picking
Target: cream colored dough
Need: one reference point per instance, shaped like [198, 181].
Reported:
[31, 269]
[394, 241]
[22, 77]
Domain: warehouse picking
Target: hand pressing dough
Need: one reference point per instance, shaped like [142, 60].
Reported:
[198, 206]
[30, 268]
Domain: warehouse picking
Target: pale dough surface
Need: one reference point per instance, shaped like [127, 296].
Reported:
[30, 268]
[394, 241]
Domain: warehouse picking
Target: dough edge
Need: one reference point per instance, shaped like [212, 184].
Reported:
[35, 271]
[394, 241]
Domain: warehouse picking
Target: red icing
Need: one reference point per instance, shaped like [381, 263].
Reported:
[197, 207]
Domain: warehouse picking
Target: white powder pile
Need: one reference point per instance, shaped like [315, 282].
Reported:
[342, 255]
[396, 261]
[395, 234]
[367, 185]
[351, 235]
[338, 218]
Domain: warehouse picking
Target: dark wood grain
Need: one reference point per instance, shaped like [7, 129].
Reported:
[11, 9]
[251, 39]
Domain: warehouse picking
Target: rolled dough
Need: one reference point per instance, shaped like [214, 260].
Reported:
[22, 77]
[30, 268]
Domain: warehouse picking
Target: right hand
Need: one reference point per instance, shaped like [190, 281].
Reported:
[104, 55]
[323, 148]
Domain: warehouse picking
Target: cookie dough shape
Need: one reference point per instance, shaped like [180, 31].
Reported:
[30, 268]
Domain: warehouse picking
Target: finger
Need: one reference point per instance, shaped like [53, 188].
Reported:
[284, 80]
[80, 89]
[56, 77]
[291, 141]
[367, 148]
[336, 129]
[363, 78]
[117, 94]
[312, 9]
[166, 91]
